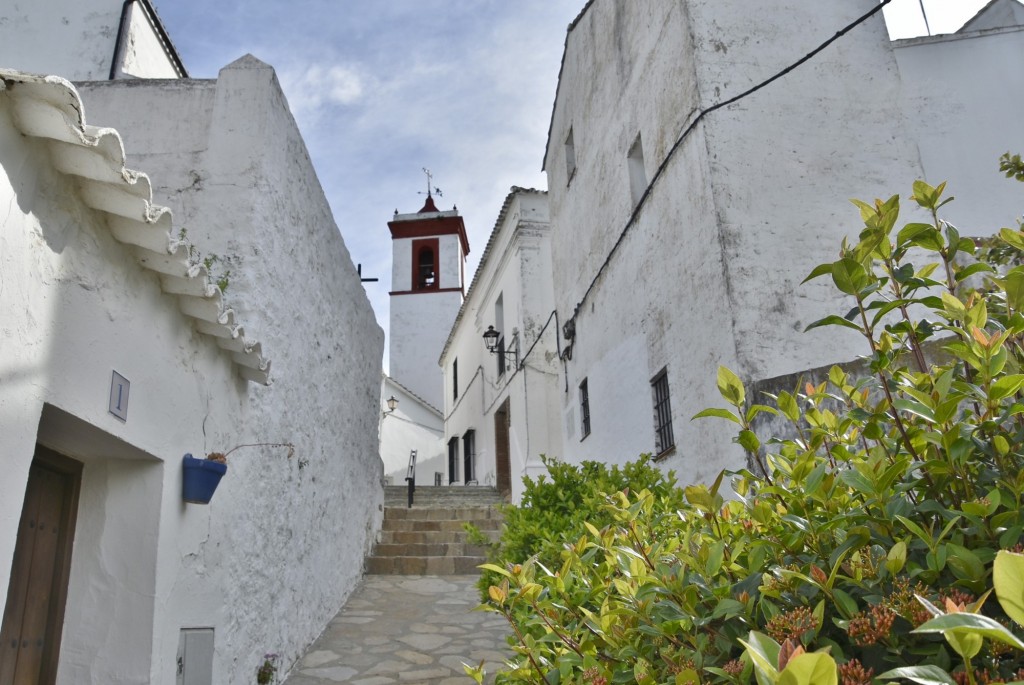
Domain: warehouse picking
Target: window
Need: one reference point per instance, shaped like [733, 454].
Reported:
[501, 356]
[453, 461]
[637, 172]
[455, 379]
[469, 456]
[499, 324]
[664, 440]
[584, 410]
[570, 157]
[424, 264]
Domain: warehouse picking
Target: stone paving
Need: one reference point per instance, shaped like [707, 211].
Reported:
[409, 630]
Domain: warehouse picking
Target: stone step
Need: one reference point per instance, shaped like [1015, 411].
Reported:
[423, 566]
[447, 496]
[428, 549]
[449, 526]
[442, 513]
[403, 537]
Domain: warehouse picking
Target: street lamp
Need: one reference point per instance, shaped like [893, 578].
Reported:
[392, 403]
[491, 338]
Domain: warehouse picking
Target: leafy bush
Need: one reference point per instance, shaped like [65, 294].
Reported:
[863, 547]
[555, 505]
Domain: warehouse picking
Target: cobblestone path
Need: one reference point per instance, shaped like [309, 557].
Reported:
[409, 630]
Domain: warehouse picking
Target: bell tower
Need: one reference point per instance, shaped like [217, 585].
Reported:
[429, 251]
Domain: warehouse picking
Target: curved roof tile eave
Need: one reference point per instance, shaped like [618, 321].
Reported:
[49, 108]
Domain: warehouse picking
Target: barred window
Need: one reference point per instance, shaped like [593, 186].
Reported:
[584, 410]
[664, 439]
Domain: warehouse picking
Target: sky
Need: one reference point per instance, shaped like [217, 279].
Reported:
[382, 89]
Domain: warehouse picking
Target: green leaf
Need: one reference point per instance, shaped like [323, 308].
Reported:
[821, 270]
[814, 668]
[764, 652]
[915, 408]
[748, 440]
[896, 559]
[924, 675]
[718, 413]
[1005, 386]
[788, 406]
[970, 624]
[730, 386]
[849, 276]
[496, 569]
[832, 320]
[965, 564]
[1008, 579]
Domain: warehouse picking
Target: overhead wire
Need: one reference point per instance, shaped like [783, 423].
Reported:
[693, 124]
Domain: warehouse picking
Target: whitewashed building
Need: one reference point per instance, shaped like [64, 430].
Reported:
[696, 176]
[690, 194]
[501, 407]
[122, 349]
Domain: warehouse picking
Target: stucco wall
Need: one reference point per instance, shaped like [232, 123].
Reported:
[76, 306]
[77, 39]
[142, 53]
[707, 272]
[419, 327]
[963, 94]
[786, 160]
[413, 425]
[276, 553]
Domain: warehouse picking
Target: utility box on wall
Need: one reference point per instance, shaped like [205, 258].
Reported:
[195, 656]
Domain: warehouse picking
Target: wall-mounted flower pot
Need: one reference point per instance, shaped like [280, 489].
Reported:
[200, 478]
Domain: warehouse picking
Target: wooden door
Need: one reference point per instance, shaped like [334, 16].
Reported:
[34, 614]
[503, 465]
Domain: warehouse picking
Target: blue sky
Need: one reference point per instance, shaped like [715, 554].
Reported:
[383, 88]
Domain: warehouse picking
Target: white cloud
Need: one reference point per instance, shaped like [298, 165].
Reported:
[315, 86]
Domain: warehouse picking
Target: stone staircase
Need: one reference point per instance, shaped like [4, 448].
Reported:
[428, 539]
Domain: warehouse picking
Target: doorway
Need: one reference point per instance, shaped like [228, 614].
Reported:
[503, 466]
[34, 615]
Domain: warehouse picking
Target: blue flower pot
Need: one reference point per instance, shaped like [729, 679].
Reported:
[200, 479]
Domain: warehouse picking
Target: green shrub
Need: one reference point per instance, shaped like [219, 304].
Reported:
[555, 505]
[863, 548]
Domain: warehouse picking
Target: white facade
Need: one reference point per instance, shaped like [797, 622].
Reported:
[95, 279]
[86, 40]
[412, 425]
[499, 422]
[675, 253]
[960, 93]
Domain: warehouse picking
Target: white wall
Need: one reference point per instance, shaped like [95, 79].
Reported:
[750, 202]
[419, 325]
[281, 546]
[77, 39]
[143, 54]
[963, 94]
[413, 425]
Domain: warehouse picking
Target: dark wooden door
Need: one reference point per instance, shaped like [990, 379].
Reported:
[34, 614]
[503, 465]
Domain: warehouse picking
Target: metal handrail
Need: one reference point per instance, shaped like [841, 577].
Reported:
[410, 475]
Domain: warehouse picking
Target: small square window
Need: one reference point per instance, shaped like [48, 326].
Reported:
[664, 440]
[584, 409]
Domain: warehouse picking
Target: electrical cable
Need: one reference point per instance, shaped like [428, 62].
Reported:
[693, 124]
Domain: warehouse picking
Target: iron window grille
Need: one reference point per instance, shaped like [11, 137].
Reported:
[664, 440]
[584, 409]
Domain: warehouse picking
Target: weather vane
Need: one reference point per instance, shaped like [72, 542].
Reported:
[431, 190]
